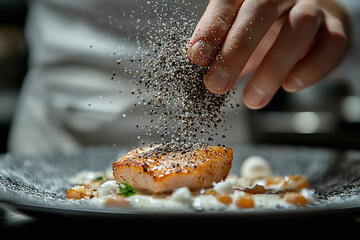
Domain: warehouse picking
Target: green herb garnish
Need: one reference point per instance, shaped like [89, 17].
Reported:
[99, 178]
[126, 189]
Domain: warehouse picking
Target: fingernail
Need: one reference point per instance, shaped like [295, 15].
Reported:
[254, 96]
[293, 84]
[202, 52]
[217, 80]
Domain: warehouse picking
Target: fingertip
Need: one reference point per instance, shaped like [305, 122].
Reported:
[201, 53]
[292, 85]
[210, 87]
[255, 98]
[217, 81]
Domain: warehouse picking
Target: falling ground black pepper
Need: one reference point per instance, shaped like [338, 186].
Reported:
[181, 110]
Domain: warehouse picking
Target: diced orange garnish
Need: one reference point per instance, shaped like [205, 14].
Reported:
[296, 199]
[73, 194]
[291, 182]
[245, 201]
[273, 181]
[80, 191]
[225, 199]
[77, 192]
[210, 192]
[297, 182]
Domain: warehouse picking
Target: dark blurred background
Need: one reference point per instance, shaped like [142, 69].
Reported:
[324, 115]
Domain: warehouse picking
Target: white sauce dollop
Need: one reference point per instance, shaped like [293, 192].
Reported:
[255, 167]
[182, 195]
[223, 187]
[107, 188]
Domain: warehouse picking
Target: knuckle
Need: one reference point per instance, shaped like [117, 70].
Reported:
[338, 31]
[266, 8]
[222, 21]
[233, 40]
[267, 5]
[222, 15]
[218, 29]
[307, 17]
[337, 34]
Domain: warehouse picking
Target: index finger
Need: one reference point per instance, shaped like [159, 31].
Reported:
[212, 30]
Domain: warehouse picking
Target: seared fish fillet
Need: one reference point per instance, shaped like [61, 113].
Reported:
[152, 171]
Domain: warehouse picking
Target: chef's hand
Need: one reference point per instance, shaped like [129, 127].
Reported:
[290, 43]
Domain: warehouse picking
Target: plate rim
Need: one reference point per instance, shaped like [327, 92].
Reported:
[36, 209]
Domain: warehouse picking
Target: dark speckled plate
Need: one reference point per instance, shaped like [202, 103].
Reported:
[36, 184]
